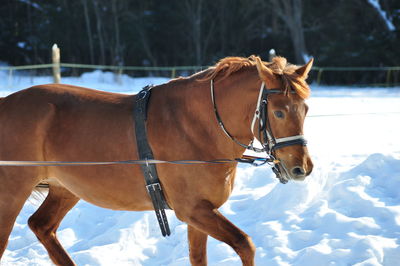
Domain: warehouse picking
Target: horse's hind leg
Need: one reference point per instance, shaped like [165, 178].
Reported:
[45, 221]
[197, 246]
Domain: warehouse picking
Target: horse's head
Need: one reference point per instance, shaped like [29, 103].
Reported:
[285, 114]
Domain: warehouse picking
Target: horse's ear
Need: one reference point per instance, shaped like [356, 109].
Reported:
[304, 70]
[264, 72]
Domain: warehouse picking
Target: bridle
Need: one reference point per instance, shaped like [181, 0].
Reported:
[265, 134]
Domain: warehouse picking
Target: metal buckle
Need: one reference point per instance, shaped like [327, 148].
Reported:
[142, 94]
[154, 187]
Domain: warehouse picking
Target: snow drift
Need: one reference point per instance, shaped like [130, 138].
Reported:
[346, 213]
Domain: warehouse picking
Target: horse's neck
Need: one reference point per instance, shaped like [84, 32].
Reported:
[188, 110]
[236, 99]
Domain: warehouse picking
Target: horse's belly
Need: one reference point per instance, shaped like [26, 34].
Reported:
[112, 187]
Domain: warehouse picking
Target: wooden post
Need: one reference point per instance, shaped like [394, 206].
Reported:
[388, 75]
[272, 54]
[319, 76]
[10, 77]
[56, 63]
[118, 76]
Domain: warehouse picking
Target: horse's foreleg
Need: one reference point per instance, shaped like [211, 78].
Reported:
[208, 219]
[45, 221]
[197, 246]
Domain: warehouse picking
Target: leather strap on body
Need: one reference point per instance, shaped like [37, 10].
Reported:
[153, 184]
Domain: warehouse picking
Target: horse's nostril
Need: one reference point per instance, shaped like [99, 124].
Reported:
[298, 171]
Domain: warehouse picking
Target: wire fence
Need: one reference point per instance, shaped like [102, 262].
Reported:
[364, 76]
[349, 76]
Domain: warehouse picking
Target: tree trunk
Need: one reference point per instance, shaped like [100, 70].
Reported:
[297, 32]
[99, 32]
[290, 12]
[88, 30]
[193, 11]
[143, 32]
[117, 58]
[223, 26]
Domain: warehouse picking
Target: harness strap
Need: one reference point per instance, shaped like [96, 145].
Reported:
[257, 112]
[153, 184]
[288, 141]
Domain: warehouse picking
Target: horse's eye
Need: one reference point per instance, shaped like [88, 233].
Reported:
[279, 114]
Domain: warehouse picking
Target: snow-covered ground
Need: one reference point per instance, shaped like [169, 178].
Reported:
[346, 213]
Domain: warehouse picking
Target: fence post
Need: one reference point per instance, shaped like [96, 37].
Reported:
[388, 75]
[10, 77]
[119, 76]
[56, 63]
[173, 73]
[272, 54]
[319, 76]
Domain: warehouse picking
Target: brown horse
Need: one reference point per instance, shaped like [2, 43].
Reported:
[66, 123]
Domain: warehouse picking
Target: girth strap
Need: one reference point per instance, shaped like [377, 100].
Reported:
[153, 184]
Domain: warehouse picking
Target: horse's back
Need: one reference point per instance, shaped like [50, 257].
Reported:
[62, 93]
[50, 111]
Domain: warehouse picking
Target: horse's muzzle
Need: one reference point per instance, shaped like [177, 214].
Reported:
[297, 171]
[300, 172]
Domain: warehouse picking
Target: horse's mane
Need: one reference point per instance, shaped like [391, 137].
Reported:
[279, 66]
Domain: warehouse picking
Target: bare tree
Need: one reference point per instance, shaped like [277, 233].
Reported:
[88, 30]
[384, 16]
[223, 25]
[117, 53]
[99, 27]
[139, 19]
[195, 13]
[290, 13]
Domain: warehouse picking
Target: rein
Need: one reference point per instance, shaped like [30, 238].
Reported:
[265, 135]
[269, 144]
[256, 161]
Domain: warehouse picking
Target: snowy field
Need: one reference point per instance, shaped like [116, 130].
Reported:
[346, 213]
